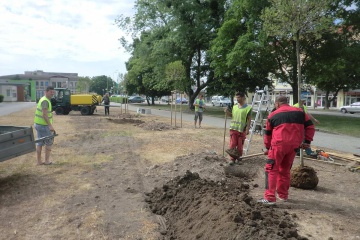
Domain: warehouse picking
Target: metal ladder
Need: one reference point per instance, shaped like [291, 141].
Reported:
[261, 98]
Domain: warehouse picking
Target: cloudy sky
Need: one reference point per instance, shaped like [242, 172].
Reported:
[72, 36]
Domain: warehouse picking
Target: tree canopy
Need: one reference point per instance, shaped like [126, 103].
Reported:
[295, 20]
[101, 84]
[234, 45]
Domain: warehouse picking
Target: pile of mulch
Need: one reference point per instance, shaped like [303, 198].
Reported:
[195, 208]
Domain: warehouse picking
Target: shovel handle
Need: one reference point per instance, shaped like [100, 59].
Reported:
[224, 135]
[252, 155]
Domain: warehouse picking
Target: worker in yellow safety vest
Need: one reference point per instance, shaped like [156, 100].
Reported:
[239, 126]
[43, 123]
[304, 108]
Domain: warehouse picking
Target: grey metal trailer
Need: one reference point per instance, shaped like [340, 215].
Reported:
[16, 141]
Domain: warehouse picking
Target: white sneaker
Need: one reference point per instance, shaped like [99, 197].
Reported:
[265, 201]
[281, 199]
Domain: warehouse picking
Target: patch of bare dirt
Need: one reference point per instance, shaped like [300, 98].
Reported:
[135, 119]
[117, 181]
[126, 118]
[156, 126]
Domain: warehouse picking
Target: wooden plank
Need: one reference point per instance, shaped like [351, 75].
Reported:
[318, 160]
[344, 158]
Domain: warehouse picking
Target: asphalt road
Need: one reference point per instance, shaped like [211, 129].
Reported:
[10, 107]
[321, 139]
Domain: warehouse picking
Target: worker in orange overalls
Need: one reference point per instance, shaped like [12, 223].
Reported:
[284, 134]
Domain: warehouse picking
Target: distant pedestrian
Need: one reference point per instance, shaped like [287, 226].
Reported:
[304, 108]
[287, 129]
[43, 125]
[199, 109]
[106, 101]
[240, 125]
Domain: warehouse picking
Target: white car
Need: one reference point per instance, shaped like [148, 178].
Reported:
[352, 108]
[220, 101]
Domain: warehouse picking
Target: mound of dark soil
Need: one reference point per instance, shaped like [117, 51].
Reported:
[304, 177]
[196, 208]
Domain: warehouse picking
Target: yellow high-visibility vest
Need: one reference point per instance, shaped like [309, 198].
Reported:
[239, 117]
[198, 101]
[39, 119]
[304, 108]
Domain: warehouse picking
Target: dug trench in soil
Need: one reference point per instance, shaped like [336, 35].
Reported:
[209, 165]
[196, 208]
[316, 216]
[213, 201]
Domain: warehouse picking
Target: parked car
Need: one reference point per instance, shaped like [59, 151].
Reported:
[220, 101]
[352, 108]
[165, 99]
[183, 101]
[136, 99]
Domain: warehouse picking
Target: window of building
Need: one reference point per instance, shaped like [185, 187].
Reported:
[8, 92]
[37, 83]
[41, 84]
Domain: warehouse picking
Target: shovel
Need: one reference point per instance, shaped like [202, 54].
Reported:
[251, 155]
[224, 135]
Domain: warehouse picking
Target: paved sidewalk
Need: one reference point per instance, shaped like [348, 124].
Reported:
[337, 142]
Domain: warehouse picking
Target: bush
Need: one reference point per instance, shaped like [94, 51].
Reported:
[1, 98]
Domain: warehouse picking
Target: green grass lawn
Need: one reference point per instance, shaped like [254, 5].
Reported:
[339, 124]
[336, 124]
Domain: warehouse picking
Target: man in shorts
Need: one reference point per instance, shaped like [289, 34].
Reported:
[43, 124]
[199, 108]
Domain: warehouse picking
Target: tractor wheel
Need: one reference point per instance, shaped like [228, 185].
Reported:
[59, 111]
[85, 111]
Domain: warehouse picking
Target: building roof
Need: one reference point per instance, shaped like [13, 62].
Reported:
[40, 75]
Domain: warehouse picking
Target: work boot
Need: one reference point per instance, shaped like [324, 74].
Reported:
[238, 161]
[232, 162]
